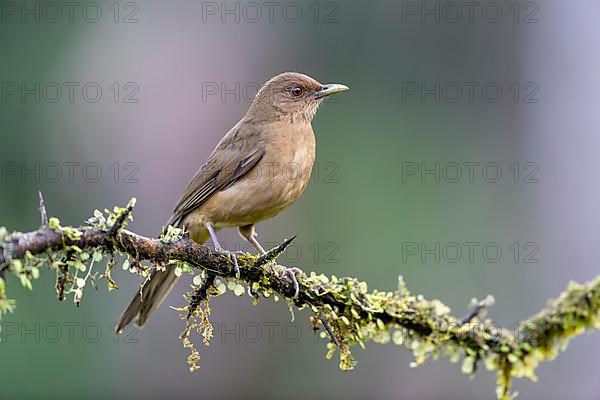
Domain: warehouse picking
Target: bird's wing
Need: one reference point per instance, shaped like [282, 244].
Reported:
[237, 153]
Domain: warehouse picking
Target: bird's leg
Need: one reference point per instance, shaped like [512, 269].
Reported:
[249, 233]
[220, 249]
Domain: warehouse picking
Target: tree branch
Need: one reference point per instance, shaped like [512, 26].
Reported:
[348, 311]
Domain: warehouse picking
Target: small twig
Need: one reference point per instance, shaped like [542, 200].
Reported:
[120, 221]
[329, 330]
[43, 212]
[478, 309]
[62, 279]
[275, 252]
[200, 294]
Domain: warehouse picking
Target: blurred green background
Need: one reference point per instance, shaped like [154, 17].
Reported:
[368, 204]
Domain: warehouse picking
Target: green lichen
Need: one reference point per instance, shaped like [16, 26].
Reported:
[6, 305]
[576, 310]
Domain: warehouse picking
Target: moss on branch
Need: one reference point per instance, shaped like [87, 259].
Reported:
[349, 312]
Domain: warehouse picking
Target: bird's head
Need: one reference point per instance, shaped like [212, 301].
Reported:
[292, 96]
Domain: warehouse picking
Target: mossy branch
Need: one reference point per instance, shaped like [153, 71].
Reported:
[348, 311]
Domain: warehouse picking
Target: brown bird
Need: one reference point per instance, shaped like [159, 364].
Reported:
[258, 169]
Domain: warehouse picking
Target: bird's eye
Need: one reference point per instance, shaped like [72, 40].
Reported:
[296, 91]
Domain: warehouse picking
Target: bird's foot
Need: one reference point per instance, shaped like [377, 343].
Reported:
[291, 272]
[233, 256]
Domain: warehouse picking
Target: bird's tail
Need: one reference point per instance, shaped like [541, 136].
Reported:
[154, 291]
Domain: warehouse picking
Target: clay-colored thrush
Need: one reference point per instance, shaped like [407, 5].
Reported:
[259, 168]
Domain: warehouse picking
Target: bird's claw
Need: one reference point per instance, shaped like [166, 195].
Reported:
[233, 256]
[236, 267]
[291, 272]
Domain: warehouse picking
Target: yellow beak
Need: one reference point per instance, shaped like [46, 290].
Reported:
[331, 88]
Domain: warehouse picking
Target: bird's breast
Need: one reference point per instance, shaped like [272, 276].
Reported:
[272, 185]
